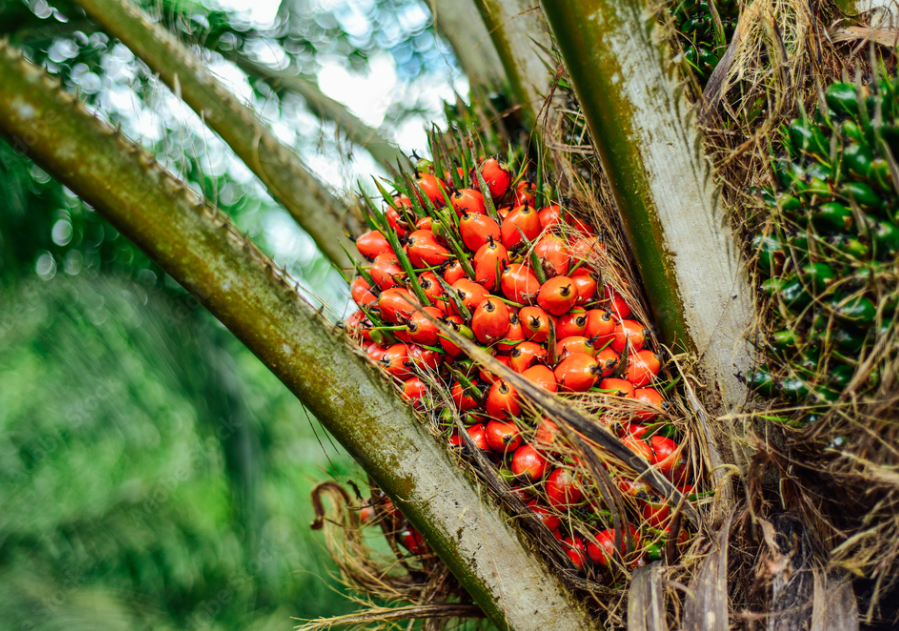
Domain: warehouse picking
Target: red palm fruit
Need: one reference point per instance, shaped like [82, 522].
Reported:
[577, 373]
[666, 454]
[603, 550]
[520, 220]
[361, 292]
[600, 326]
[634, 488]
[476, 230]
[629, 330]
[586, 285]
[468, 200]
[655, 511]
[503, 437]
[575, 344]
[527, 463]
[431, 286]
[553, 254]
[497, 176]
[514, 336]
[396, 305]
[395, 219]
[478, 435]
[423, 249]
[503, 212]
[524, 355]
[414, 390]
[372, 243]
[489, 377]
[433, 188]
[395, 361]
[470, 293]
[412, 540]
[424, 358]
[557, 295]
[463, 400]
[584, 248]
[541, 376]
[608, 361]
[618, 387]
[454, 271]
[502, 399]
[375, 352]
[421, 329]
[519, 284]
[649, 397]
[582, 227]
[619, 308]
[385, 270]
[546, 433]
[562, 489]
[642, 368]
[535, 322]
[525, 191]
[574, 548]
[490, 261]
[639, 447]
[549, 520]
[425, 223]
[632, 429]
[549, 216]
[491, 320]
[572, 323]
[455, 322]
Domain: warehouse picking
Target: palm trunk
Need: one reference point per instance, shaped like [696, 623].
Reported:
[460, 23]
[277, 165]
[199, 246]
[663, 185]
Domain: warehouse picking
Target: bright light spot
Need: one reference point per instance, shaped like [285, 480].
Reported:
[367, 95]
[62, 232]
[45, 266]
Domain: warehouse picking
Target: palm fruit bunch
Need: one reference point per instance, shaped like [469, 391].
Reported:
[490, 257]
[695, 23]
[829, 261]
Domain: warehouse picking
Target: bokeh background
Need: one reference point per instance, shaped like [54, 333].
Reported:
[153, 474]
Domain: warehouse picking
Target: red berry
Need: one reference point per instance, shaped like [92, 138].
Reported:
[386, 271]
[375, 352]
[575, 344]
[528, 463]
[557, 295]
[541, 376]
[619, 307]
[424, 251]
[373, 243]
[414, 390]
[648, 396]
[562, 489]
[424, 358]
[476, 230]
[490, 260]
[618, 387]
[655, 511]
[629, 330]
[524, 355]
[574, 548]
[600, 326]
[463, 400]
[639, 447]
[412, 540]
[514, 335]
[519, 284]
[491, 320]
[455, 323]
[470, 293]
[454, 271]
[497, 176]
[666, 454]
[422, 330]
[489, 377]
[478, 435]
[433, 290]
[546, 433]
[549, 216]
[608, 361]
[503, 437]
[468, 200]
[603, 550]
[433, 188]
[535, 322]
[502, 400]
[396, 305]
[586, 285]
[521, 220]
[577, 373]
[361, 292]
[572, 323]
[642, 368]
[395, 361]
[525, 192]
[549, 520]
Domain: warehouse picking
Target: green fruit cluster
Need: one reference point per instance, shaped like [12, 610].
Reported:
[829, 265]
[703, 43]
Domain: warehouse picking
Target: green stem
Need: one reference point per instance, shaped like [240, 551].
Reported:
[200, 247]
[276, 164]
